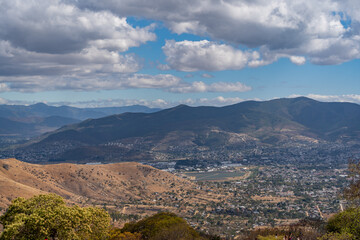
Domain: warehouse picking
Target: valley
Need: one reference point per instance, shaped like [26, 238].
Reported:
[267, 195]
[225, 170]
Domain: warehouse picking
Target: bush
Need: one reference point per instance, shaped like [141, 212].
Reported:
[346, 222]
[337, 236]
[162, 226]
[47, 216]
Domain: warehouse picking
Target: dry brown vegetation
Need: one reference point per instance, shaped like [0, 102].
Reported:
[273, 199]
[93, 184]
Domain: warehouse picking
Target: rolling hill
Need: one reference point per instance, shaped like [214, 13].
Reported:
[133, 136]
[87, 184]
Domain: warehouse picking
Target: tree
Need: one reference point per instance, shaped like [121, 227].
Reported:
[47, 216]
[337, 236]
[117, 234]
[352, 192]
[346, 223]
[163, 226]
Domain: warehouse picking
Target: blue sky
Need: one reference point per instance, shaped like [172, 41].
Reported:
[163, 53]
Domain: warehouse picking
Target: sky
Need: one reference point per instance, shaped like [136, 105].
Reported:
[160, 53]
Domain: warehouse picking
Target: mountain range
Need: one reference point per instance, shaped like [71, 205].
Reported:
[29, 121]
[136, 136]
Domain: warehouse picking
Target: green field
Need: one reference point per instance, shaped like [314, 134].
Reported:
[214, 176]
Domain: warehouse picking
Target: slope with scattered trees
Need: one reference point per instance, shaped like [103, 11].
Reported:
[48, 217]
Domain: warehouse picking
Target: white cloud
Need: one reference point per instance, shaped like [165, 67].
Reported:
[294, 28]
[206, 75]
[91, 83]
[163, 67]
[156, 103]
[51, 26]
[80, 44]
[353, 98]
[333, 51]
[52, 45]
[298, 60]
[164, 82]
[4, 87]
[3, 101]
[217, 101]
[191, 56]
[20, 62]
[214, 87]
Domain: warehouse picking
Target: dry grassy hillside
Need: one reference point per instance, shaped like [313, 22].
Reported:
[87, 184]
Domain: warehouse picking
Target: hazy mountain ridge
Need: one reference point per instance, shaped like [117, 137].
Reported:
[133, 136]
[32, 120]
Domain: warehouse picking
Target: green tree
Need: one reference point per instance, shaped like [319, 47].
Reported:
[337, 236]
[346, 223]
[117, 234]
[352, 192]
[163, 226]
[47, 216]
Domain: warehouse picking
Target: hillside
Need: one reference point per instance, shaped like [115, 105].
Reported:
[87, 184]
[25, 113]
[29, 121]
[135, 136]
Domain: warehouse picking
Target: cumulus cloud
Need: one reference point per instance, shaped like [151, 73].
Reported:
[164, 82]
[214, 87]
[55, 45]
[189, 56]
[87, 83]
[83, 44]
[156, 103]
[313, 29]
[20, 62]
[163, 67]
[298, 60]
[51, 26]
[51, 45]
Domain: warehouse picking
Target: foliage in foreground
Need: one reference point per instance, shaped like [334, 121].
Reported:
[117, 234]
[305, 229]
[47, 216]
[345, 224]
[163, 225]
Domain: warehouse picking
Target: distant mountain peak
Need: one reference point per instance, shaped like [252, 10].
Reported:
[182, 106]
[39, 104]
